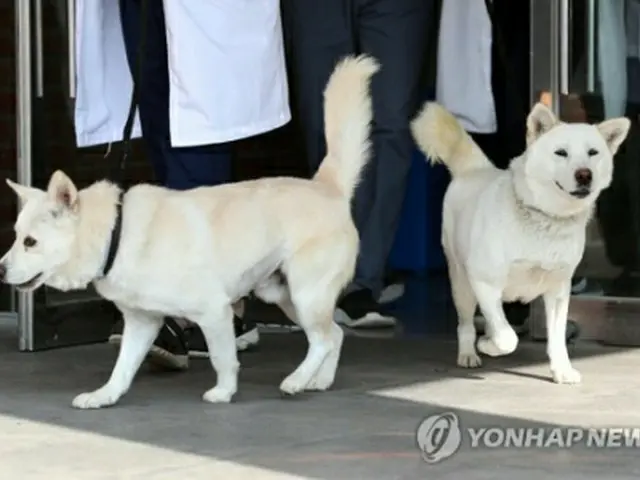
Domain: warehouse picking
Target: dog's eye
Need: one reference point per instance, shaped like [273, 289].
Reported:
[592, 152]
[561, 152]
[29, 242]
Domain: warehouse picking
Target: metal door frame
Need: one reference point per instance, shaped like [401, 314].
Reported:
[607, 319]
[24, 117]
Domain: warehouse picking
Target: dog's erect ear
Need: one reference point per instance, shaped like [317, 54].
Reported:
[540, 121]
[62, 190]
[24, 193]
[614, 132]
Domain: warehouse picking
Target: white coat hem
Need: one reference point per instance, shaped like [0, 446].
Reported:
[85, 140]
[209, 136]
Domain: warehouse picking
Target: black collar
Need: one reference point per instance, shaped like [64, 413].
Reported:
[115, 237]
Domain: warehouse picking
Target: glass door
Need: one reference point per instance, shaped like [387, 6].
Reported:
[45, 94]
[586, 66]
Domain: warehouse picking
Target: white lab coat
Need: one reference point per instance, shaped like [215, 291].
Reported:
[463, 80]
[226, 69]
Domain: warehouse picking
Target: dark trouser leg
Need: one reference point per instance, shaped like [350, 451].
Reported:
[319, 33]
[154, 84]
[395, 33]
[179, 168]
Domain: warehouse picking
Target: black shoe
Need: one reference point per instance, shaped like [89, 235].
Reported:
[359, 309]
[247, 338]
[169, 349]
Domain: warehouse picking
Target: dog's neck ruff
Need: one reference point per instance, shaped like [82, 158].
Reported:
[114, 242]
[531, 211]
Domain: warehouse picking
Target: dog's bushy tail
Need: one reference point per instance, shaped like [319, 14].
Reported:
[347, 118]
[442, 139]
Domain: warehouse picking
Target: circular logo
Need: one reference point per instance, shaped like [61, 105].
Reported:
[439, 437]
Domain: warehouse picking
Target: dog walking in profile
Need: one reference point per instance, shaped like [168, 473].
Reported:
[197, 253]
[518, 234]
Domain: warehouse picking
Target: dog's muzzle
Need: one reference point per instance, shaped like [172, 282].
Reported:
[580, 192]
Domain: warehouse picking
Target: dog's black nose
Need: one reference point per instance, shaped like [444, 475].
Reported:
[583, 177]
[3, 272]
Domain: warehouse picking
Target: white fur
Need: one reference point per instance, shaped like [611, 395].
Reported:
[194, 254]
[517, 234]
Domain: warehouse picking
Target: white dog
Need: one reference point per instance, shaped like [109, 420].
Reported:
[518, 234]
[195, 254]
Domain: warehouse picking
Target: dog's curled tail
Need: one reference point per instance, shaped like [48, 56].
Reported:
[347, 117]
[441, 138]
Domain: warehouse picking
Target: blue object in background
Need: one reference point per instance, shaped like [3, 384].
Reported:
[417, 245]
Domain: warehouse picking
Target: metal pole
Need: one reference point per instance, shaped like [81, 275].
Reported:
[23, 113]
[564, 47]
[71, 32]
[591, 45]
[554, 57]
[39, 51]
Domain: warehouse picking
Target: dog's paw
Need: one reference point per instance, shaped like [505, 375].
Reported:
[501, 343]
[566, 374]
[469, 360]
[321, 382]
[293, 384]
[93, 400]
[218, 395]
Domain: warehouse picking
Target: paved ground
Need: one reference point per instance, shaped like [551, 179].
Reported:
[364, 429]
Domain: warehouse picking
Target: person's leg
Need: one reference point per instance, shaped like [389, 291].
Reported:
[154, 89]
[174, 167]
[395, 33]
[318, 35]
[170, 348]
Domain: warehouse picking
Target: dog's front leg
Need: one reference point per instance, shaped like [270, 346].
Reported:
[217, 328]
[500, 338]
[140, 330]
[556, 305]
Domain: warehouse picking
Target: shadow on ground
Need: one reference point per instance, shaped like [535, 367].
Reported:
[364, 428]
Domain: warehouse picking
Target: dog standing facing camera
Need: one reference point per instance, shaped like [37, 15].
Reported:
[518, 234]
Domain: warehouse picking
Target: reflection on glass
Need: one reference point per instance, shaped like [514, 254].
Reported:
[605, 83]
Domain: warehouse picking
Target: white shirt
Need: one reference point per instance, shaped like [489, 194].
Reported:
[226, 71]
[463, 84]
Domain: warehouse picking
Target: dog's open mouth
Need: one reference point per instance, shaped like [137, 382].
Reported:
[29, 283]
[580, 192]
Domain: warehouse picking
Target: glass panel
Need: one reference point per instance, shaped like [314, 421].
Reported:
[544, 48]
[591, 50]
[604, 82]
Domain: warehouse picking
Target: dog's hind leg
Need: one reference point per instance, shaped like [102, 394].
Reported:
[556, 305]
[275, 290]
[465, 302]
[500, 338]
[325, 341]
[217, 327]
[140, 330]
[316, 276]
